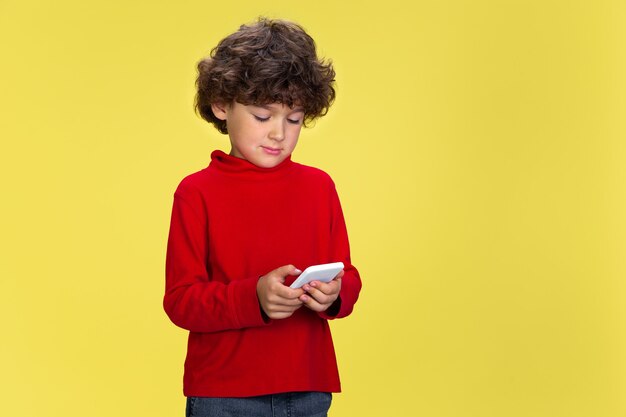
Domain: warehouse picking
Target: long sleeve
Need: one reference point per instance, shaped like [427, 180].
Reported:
[192, 300]
[340, 250]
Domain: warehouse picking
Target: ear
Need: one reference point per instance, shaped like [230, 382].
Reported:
[220, 110]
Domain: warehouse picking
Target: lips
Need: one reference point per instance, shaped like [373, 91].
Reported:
[271, 151]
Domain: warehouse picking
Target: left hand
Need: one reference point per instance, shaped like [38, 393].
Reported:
[319, 296]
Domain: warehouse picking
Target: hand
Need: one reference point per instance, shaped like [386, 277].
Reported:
[277, 300]
[319, 295]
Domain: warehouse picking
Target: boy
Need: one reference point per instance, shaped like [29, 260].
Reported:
[241, 226]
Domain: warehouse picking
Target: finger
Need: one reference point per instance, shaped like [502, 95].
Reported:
[279, 315]
[272, 310]
[282, 309]
[285, 302]
[319, 296]
[279, 274]
[330, 288]
[313, 304]
[287, 270]
[286, 292]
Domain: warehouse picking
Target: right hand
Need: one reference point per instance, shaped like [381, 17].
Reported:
[277, 300]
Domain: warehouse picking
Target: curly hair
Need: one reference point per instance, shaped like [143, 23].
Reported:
[269, 61]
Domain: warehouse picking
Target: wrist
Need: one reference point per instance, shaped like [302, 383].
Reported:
[334, 308]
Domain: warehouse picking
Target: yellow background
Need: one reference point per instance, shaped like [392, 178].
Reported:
[479, 150]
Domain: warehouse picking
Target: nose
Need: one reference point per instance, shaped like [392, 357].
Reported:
[277, 131]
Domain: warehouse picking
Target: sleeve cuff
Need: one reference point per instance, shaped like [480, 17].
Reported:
[245, 307]
[333, 311]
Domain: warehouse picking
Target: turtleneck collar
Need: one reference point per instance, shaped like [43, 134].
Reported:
[229, 164]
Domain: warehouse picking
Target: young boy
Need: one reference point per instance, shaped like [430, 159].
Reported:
[242, 226]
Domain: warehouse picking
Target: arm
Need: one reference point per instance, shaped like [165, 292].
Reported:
[192, 300]
[335, 299]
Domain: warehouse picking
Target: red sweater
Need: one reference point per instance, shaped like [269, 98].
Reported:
[232, 223]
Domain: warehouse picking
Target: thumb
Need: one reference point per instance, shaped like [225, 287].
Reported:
[286, 270]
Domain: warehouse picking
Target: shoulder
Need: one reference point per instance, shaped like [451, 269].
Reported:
[194, 183]
[313, 175]
[196, 180]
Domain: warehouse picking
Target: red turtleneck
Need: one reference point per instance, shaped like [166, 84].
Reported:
[232, 223]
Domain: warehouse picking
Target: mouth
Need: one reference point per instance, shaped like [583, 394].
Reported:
[270, 150]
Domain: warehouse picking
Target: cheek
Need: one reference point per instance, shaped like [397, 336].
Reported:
[295, 132]
[294, 139]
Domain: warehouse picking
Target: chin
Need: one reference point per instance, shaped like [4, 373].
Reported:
[270, 162]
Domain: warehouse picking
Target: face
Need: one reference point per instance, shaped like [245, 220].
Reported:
[264, 135]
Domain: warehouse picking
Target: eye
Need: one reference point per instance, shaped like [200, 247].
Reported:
[294, 121]
[261, 119]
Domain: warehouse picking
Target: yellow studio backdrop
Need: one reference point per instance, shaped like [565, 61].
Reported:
[479, 151]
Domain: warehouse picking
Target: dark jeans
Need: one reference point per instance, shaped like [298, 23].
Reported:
[291, 404]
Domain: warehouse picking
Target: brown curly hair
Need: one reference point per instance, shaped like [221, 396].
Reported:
[269, 61]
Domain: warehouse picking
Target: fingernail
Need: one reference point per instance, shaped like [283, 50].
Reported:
[297, 271]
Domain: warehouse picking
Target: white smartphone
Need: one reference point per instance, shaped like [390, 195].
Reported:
[323, 272]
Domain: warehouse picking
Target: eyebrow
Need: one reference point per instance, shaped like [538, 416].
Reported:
[269, 107]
